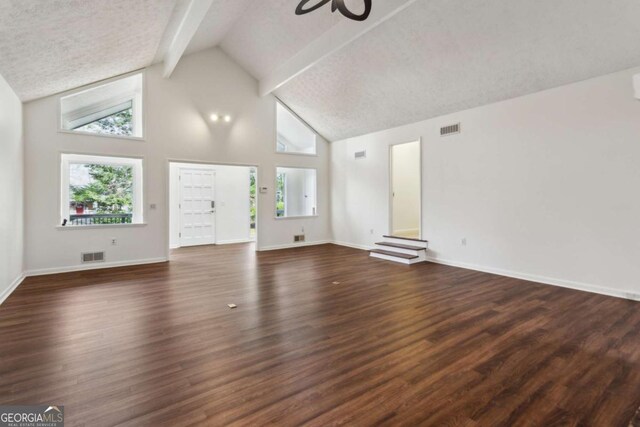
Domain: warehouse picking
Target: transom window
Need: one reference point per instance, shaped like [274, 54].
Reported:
[293, 135]
[100, 190]
[114, 109]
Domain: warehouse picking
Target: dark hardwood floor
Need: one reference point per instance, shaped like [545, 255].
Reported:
[390, 344]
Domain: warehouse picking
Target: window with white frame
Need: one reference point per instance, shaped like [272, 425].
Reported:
[99, 190]
[296, 190]
[114, 109]
[293, 135]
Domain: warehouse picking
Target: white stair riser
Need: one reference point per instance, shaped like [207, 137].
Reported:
[406, 242]
[390, 258]
[399, 260]
[400, 250]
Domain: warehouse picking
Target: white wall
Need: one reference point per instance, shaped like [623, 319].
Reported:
[232, 218]
[11, 190]
[544, 186]
[406, 188]
[177, 128]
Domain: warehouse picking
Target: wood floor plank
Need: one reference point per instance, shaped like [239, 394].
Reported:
[322, 335]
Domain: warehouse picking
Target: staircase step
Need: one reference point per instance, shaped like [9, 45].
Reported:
[406, 238]
[393, 254]
[401, 246]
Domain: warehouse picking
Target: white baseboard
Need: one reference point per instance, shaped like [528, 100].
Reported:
[351, 245]
[96, 266]
[235, 242]
[630, 295]
[293, 245]
[12, 287]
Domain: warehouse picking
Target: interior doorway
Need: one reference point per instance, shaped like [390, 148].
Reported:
[406, 190]
[212, 204]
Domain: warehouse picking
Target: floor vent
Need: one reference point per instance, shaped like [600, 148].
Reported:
[361, 155]
[92, 257]
[298, 238]
[450, 130]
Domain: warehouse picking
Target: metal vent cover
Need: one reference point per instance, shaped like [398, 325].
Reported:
[360, 154]
[450, 130]
[89, 257]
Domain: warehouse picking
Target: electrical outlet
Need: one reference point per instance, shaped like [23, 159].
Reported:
[114, 242]
[302, 230]
[371, 231]
[153, 206]
[464, 241]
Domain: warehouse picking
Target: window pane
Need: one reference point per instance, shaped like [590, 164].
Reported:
[100, 190]
[295, 192]
[114, 108]
[100, 194]
[293, 136]
[120, 123]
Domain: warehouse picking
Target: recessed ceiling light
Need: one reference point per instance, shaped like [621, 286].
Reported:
[227, 118]
[215, 117]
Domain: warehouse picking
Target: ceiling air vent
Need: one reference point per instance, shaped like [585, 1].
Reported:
[361, 154]
[92, 257]
[450, 130]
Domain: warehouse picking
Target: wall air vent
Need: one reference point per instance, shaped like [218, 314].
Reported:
[361, 154]
[89, 257]
[450, 130]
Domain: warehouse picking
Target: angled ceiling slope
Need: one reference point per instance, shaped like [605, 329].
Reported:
[431, 58]
[434, 57]
[48, 47]
[443, 56]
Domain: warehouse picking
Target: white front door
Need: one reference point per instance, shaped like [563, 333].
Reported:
[197, 207]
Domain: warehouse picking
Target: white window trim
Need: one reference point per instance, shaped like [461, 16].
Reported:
[275, 201]
[137, 163]
[139, 110]
[276, 138]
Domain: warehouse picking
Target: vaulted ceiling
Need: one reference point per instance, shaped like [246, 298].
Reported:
[428, 58]
[51, 46]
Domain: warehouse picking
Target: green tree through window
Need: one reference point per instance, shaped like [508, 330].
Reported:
[110, 189]
[280, 180]
[120, 123]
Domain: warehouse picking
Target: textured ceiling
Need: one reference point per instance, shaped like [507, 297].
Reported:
[434, 58]
[443, 56]
[51, 46]
[264, 33]
[222, 15]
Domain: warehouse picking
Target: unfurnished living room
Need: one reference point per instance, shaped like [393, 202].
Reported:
[319, 212]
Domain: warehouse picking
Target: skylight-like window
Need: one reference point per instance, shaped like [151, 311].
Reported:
[293, 135]
[113, 109]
